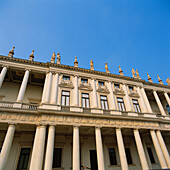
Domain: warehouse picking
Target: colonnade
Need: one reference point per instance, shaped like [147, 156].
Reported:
[39, 145]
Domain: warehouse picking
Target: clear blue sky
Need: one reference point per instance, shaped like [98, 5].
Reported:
[130, 33]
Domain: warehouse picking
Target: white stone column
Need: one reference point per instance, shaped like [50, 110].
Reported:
[2, 75]
[158, 150]
[38, 148]
[6, 146]
[141, 101]
[167, 98]
[76, 91]
[122, 154]
[76, 148]
[94, 94]
[54, 89]
[99, 147]
[140, 150]
[112, 100]
[50, 148]
[45, 87]
[23, 86]
[127, 100]
[159, 103]
[163, 147]
[146, 100]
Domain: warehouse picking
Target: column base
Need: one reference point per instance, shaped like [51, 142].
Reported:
[50, 106]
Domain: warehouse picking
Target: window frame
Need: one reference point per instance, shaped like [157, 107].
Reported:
[116, 85]
[82, 80]
[101, 83]
[65, 77]
[105, 103]
[65, 101]
[136, 106]
[120, 104]
[115, 156]
[86, 100]
[128, 158]
[152, 155]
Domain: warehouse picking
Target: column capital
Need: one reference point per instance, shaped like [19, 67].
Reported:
[76, 126]
[52, 124]
[5, 65]
[98, 127]
[12, 123]
[41, 124]
[27, 69]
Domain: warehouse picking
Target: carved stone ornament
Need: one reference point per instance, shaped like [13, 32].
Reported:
[66, 84]
[91, 65]
[149, 78]
[133, 93]
[31, 57]
[119, 91]
[106, 68]
[102, 89]
[137, 74]
[168, 81]
[11, 53]
[121, 71]
[75, 62]
[58, 58]
[85, 86]
[159, 80]
[53, 58]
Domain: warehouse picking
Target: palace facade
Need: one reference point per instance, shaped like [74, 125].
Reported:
[60, 117]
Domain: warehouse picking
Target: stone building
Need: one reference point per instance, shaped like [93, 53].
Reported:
[60, 117]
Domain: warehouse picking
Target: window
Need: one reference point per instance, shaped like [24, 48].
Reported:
[23, 159]
[136, 105]
[131, 88]
[84, 80]
[112, 156]
[168, 108]
[57, 157]
[104, 104]
[66, 77]
[121, 104]
[65, 98]
[101, 83]
[117, 86]
[128, 155]
[151, 155]
[85, 100]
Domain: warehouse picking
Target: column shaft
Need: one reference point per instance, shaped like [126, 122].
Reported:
[48, 89]
[159, 103]
[23, 86]
[45, 88]
[76, 148]
[50, 148]
[6, 146]
[38, 148]
[123, 160]
[76, 92]
[146, 100]
[99, 146]
[2, 75]
[158, 150]
[140, 150]
[94, 94]
[54, 91]
[112, 100]
[167, 98]
[163, 147]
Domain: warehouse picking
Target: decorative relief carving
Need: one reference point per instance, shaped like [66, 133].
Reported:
[103, 89]
[85, 86]
[133, 93]
[66, 84]
[119, 91]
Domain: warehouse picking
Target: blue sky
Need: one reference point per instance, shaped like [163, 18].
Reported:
[129, 33]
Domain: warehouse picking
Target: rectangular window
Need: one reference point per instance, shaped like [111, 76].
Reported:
[121, 104]
[24, 159]
[151, 155]
[128, 155]
[117, 86]
[57, 157]
[84, 80]
[112, 156]
[131, 88]
[65, 98]
[136, 105]
[85, 100]
[101, 83]
[66, 77]
[168, 108]
[104, 104]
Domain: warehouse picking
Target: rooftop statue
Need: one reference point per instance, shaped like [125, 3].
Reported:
[11, 53]
[121, 71]
[106, 68]
[91, 65]
[149, 78]
[159, 80]
[75, 62]
[168, 81]
[53, 58]
[133, 73]
[58, 58]
[137, 74]
[31, 58]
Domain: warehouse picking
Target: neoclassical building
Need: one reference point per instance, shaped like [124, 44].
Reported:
[60, 117]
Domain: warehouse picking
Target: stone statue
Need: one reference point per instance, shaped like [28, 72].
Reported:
[133, 73]
[11, 53]
[91, 65]
[159, 80]
[53, 58]
[120, 71]
[106, 68]
[137, 74]
[58, 58]
[149, 78]
[168, 81]
[75, 62]
[31, 58]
